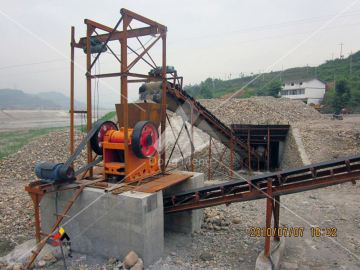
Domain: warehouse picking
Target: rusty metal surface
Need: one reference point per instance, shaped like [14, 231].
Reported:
[269, 208]
[121, 33]
[285, 182]
[163, 182]
[258, 133]
[72, 56]
[139, 112]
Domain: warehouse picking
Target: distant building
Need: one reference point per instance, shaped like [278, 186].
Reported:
[311, 91]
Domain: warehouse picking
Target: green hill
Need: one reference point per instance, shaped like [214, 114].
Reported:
[346, 69]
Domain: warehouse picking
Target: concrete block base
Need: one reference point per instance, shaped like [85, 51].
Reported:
[188, 221]
[273, 263]
[107, 225]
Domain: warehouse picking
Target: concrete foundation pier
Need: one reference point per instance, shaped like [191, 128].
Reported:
[272, 263]
[188, 221]
[110, 225]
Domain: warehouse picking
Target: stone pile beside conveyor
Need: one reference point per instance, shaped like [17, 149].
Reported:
[260, 110]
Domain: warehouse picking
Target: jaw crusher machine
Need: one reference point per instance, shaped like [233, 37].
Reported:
[108, 142]
[143, 157]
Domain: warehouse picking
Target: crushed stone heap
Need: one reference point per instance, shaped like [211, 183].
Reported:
[260, 110]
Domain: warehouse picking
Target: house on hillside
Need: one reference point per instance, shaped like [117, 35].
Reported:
[311, 91]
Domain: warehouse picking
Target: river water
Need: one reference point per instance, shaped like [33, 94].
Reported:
[11, 120]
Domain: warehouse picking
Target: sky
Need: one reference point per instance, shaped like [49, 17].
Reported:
[218, 39]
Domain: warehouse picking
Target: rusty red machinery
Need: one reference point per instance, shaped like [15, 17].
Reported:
[129, 147]
[143, 157]
[128, 151]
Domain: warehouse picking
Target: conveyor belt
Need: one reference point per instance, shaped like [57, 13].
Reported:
[204, 119]
[283, 182]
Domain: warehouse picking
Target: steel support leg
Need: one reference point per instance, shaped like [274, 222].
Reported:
[249, 155]
[276, 217]
[72, 55]
[268, 150]
[209, 161]
[231, 157]
[192, 136]
[269, 207]
[35, 197]
[37, 217]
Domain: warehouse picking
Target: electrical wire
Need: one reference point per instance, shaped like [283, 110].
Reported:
[32, 64]
[97, 91]
[268, 26]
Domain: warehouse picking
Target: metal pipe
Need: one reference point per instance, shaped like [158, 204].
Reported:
[248, 148]
[231, 156]
[88, 93]
[72, 56]
[276, 216]
[124, 90]
[209, 162]
[192, 136]
[269, 207]
[268, 150]
[163, 102]
[36, 201]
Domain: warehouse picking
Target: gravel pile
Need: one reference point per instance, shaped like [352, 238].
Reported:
[260, 110]
[330, 139]
[215, 220]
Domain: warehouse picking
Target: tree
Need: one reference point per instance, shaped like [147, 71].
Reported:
[342, 95]
[273, 88]
[205, 92]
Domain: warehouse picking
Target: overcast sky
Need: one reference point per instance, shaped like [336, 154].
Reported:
[205, 38]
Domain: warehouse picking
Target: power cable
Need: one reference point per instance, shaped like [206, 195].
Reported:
[270, 26]
[32, 64]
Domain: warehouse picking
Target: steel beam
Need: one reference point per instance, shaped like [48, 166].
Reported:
[141, 18]
[118, 35]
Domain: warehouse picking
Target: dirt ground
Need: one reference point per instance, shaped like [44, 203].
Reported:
[233, 248]
[328, 139]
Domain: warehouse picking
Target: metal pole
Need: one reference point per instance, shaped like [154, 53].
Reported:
[269, 207]
[231, 156]
[248, 146]
[36, 201]
[192, 136]
[276, 217]
[268, 150]
[72, 147]
[88, 93]
[124, 90]
[209, 162]
[163, 102]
